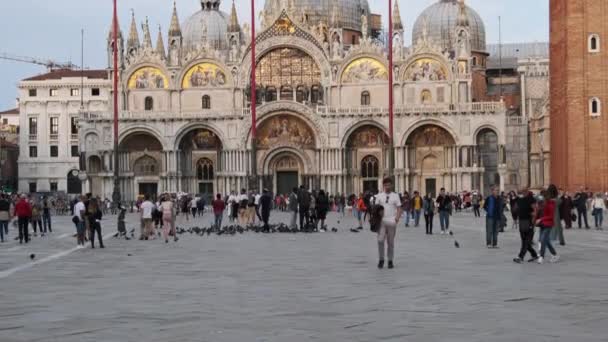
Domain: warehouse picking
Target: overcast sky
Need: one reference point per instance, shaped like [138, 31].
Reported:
[51, 29]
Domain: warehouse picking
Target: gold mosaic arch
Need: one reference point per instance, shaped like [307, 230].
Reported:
[425, 69]
[204, 74]
[148, 78]
[365, 69]
[285, 130]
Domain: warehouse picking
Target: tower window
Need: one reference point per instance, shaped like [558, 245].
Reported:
[594, 43]
[365, 98]
[595, 107]
[206, 102]
[149, 103]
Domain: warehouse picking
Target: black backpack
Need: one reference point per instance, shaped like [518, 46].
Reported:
[375, 219]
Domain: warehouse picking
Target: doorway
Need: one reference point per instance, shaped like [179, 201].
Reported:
[286, 181]
[431, 186]
[370, 186]
[148, 188]
[206, 189]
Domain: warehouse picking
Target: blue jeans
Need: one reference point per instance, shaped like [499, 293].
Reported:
[416, 214]
[407, 217]
[545, 241]
[444, 219]
[492, 231]
[218, 220]
[3, 229]
[46, 221]
[598, 214]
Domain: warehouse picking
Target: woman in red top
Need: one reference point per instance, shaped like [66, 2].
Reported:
[545, 222]
[361, 209]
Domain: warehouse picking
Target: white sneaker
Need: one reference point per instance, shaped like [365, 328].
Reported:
[555, 258]
[539, 260]
[79, 246]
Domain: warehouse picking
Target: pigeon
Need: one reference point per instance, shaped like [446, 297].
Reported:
[132, 232]
[32, 256]
[456, 244]
[129, 254]
[334, 229]
[451, 233]
[354, 230]
[338, 221]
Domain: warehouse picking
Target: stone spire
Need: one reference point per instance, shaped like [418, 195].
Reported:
[175, 30]
[397, 24]
[147, 36]
[111, 32]
[463, 18]
[160, 45]
[234, 26]
[133, 42]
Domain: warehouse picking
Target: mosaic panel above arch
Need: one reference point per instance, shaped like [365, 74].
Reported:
[364, 69]
[200, 139]
[426, 69]
[285, 130]
[430, 135]
[204, 75]
[148, 78]
[367, 137]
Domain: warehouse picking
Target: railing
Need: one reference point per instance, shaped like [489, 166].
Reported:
[33, 137]
[472, 107]
[54, 137]
[73, 136]
[150, 115]
[515, 121]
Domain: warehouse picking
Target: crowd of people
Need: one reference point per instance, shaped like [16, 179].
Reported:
[551, 211]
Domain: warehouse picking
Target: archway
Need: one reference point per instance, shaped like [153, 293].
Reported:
[141, 159]
[200, 158]
[487, 143]
[94, 167]
[74, 184]
[430, 152]
[365, 156]
[287, 170]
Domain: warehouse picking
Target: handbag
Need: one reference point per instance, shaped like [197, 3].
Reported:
[375, 219]
[75, 220]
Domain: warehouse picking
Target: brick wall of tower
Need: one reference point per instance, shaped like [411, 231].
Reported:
[579, 143]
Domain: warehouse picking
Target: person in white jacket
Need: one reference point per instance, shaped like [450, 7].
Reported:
[598, 206]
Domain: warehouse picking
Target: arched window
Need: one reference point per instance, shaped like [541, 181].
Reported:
[595, 106]
[149, 103]
[370, 167]
[474, 61]
[146, 166]
[426, 97]
[287, 93]
[594, 43]
[316, 94]
[365, 98]
[204, 170]
[271, 94]
[206, 102]
[301, 94]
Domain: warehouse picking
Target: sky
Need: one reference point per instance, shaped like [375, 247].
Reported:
[51, 29]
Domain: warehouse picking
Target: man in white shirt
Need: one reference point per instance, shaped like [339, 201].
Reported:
[147, 208]
[78, 219]
[257, 206]
[232, 206]
[243, 199]
[388, 228]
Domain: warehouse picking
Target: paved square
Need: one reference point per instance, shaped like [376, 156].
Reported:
[301, 287]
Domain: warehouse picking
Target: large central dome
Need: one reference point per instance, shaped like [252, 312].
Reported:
[441, 20]
[348, 16]
[207, 25]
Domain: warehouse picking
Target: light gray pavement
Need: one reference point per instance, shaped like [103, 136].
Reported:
[302, 287]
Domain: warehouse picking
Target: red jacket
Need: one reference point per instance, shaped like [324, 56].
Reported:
[23, 209]
[547, 219]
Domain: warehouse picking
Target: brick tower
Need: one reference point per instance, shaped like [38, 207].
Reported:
[579, 94]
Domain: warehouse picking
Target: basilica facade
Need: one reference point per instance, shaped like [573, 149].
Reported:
[322, 104]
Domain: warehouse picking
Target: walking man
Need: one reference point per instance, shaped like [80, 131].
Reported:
[493, 206]
[388, 228]
[444, 206]
[526, 205]
[146, 215]
[218, 210]
[416, 208]
[46, 215]
[580, 201]
[293, 207]
[5, 216]
[265, 204]
[304, 205]
[23, 211]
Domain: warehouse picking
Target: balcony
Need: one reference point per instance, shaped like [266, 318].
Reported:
[33, 137]
[74, 136]
[149, 115]
[53, 137]
[407, 110]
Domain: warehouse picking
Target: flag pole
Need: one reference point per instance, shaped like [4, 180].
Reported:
[390, 91]
[253, 181]
[116, 197]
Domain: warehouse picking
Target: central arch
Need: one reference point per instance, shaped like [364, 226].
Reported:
[199, 160]
[365, 157]
[141, 160]
[287, 169]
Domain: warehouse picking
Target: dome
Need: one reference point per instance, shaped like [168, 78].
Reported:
[349, 11]
[209, 19]
[441, 20]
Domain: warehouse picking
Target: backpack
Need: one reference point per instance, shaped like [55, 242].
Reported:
[375, 219]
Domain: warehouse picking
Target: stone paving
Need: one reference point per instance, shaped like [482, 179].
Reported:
[301, 287]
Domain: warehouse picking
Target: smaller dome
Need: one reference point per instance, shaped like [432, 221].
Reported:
[209, 24]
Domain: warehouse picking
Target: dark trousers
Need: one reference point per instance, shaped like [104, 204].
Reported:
[3, 229]
[428, 221]
[582, 214]
[46, 222]
[476, 210]
[304, 215]
[257, 213]
[526, 233]
[492, 231]
[36, 223]
[96, 227]
[265, 217]
[23, 229]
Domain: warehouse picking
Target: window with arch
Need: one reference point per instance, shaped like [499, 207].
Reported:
[595, 106]
[426, 97]
[316, 94]
[146, 166]
[370, 167]
[287, 93]
[474, 62]
[149, 103]
[206, 102]
[594, 43]
[271, 94]
[513, 179]
[301, 94]
[365, 98]
[204, 170]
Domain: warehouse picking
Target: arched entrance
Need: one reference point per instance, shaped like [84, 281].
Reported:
[287, 169]
[429, 149]
[487, 142]
[200, 152]
[94, 167]
[141, 160]
[74, 184]
[365, 155]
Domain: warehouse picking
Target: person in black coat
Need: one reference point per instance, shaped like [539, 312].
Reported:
[265, 206]
[94, 216]
[322, 207]
[304, 206]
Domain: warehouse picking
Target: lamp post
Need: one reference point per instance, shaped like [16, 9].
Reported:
[391, 159]
[253, 179]
[116, 191]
